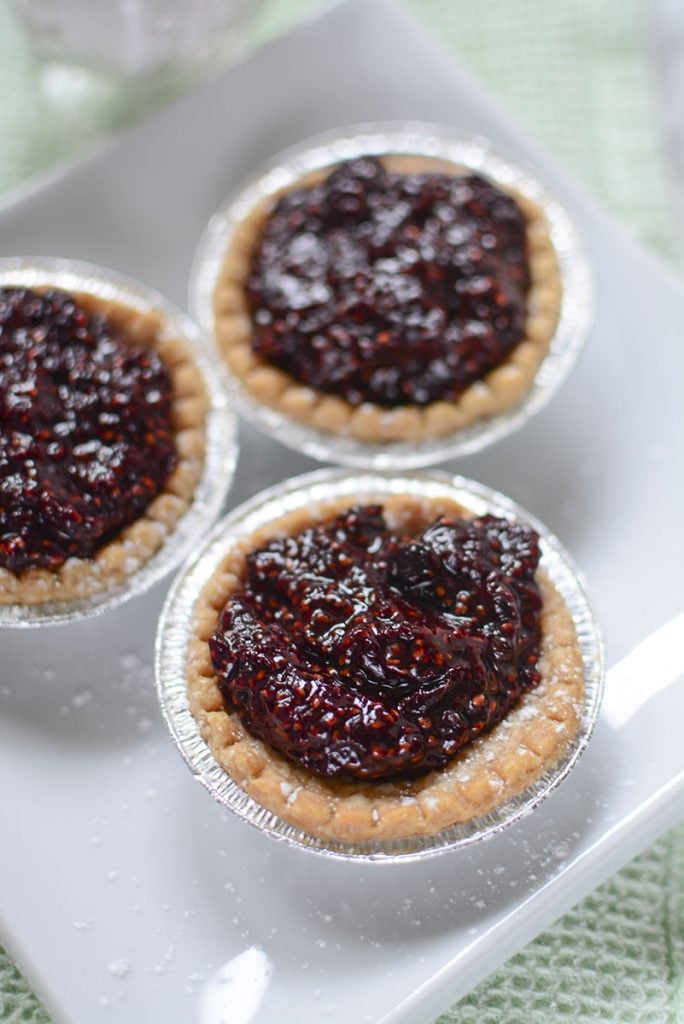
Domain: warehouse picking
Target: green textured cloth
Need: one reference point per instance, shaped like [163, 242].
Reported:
[577, 75]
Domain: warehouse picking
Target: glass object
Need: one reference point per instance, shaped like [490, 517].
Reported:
[102, 60]
[136, 38]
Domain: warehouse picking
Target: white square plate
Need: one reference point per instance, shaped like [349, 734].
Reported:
[122, 886]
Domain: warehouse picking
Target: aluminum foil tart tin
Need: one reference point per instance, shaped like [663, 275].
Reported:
[473, 153]
[306, 492]
[221, 448]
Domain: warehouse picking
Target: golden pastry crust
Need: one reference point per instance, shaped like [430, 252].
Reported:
[494, 768]
[497, 392]
[79, 578]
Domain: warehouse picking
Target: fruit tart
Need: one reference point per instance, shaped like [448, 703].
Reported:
[103, 431]
[384, 666]
[387, 299]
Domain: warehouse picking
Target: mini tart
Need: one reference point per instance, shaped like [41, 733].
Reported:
[491, 770]
[111, 565]
[497, 392]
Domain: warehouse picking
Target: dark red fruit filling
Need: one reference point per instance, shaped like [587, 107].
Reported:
[358, 652]
[390, 288]
[86, 439]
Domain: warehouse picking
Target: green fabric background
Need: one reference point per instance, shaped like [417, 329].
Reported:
[578, 75]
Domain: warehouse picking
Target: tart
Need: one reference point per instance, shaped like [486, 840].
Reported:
[389, 298]
[103, 412]
[353, 669]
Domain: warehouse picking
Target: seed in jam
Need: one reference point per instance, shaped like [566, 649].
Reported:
[358, 652]
[390, 288]
[86, 440]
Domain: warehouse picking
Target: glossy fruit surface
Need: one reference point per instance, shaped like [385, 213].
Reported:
[390, 288]
[360, 652]
[86, 439]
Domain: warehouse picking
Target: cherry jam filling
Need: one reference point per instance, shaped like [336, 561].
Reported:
[390, 288]
[361, 653]
[86, 440]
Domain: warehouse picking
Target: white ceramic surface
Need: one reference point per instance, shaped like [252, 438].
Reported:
[126, 893]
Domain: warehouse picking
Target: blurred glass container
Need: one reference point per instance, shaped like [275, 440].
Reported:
[137, 39]
[103, 61]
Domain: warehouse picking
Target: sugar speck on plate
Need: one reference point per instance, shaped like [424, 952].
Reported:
[120, 967]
